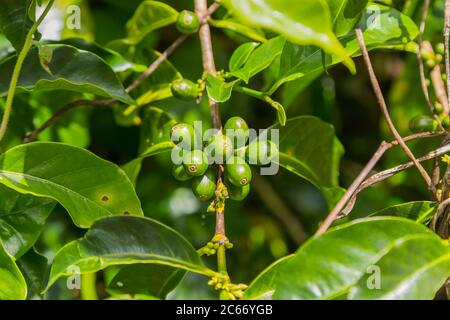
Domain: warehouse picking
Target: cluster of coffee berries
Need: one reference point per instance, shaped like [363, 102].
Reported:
[197, 158]
[433, 57]
[228, 290]
[426, 123]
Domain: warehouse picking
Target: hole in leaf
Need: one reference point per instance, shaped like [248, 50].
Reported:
[126, 213]
[105, 198]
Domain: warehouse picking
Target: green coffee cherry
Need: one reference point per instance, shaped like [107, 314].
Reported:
[238, 172]
[204, 186]
[187, 22]
[438, 108]
[446, 122]
[423, 123]
[180, 174]
[237, 129]
[184, 89]
[219, 148]
[195, 162]
[431, 63]
[183, 135]
[237, 193]
[440, 48]
[261, 152]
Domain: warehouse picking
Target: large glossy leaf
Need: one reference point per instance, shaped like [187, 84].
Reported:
[34, 268]
[414, 269]
[155, 139]
[95, 77]
[87, 186]
[147, 279]
[22, 218]
[260, 58]
[149, 16]
[383, 28]
[13, 286]
[15, 22]
[117, 62]
[264, 285]
[419, 211]
[306, 22]
[310, 149]
[345, 14]
[327, 266]
[126, 240]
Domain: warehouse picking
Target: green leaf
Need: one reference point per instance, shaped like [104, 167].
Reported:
[13, 286]
[94, 77]
[310, 149]
[22, 218]
[155, 139]
[34, 268]
[306, 22]
[316, 272]
[382, 27]
[65, 174]
[116, 61]
[414, 269]
[419, 211]
[219, 90]
[260, 59]
[264, 285]
[126, 240]
[231, 24]
[241, 55]
[15, 22]
[149, 16]
[147, 279]
[345, 14]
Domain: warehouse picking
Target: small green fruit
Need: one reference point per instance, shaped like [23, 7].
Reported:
[187, 22]
[180, 174]
[237, 193]
[438, 108]
[184, 89]
[183, 135]
[237, 130]
[261, 152]
[204, 186]
[238, 172]
[440, 48]
[423, 123]
[195, 162]
[446, 122]
[219, 148]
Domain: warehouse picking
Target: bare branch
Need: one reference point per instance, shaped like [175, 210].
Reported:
[446, 44]
[384, 109]
[383, 175]
[359, 180]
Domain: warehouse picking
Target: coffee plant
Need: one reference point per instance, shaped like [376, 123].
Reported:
[125, 124]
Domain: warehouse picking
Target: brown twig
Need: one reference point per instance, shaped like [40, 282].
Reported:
[354, 187]
[383, 175]
[107, 102]
[447, 46]
[275, 204]
[440, 210]
[384, 109]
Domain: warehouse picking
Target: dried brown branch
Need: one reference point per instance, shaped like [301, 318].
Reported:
[383, 175]
[352, 190]
[447, 45]
[107, 102]
[384, 109]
